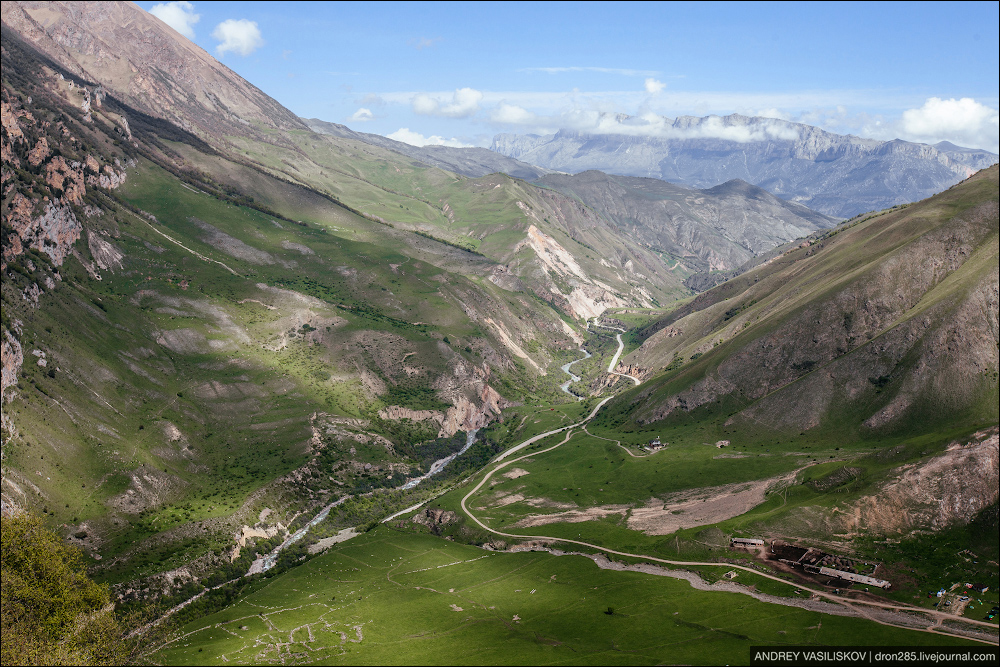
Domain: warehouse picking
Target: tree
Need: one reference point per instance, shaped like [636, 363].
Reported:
[52, 612]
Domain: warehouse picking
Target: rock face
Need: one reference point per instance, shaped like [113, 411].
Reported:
[835, 174]
[146, 64]
[474, 402]
[948, 489]
[37, 219]
[12, 358]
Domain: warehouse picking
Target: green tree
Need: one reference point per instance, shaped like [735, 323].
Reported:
[52, 613]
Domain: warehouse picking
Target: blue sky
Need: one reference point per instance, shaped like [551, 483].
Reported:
[458, 73]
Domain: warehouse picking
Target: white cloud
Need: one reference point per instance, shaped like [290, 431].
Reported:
[869, 113]
[771, 113]
[464, 103]
[238, 35]
[407, 136]
[653, 86]
[512, 114]
[362, 115]
[178, 15]
[425, 105]
[964, 121]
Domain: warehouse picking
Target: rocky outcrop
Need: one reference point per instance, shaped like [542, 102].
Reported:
[399, 412]
[435, 517]
[466, 415]
[632, 370]
[11, 358]
[945, 490]
[474, 402]
[43, 217]
[105, 254]
[53, 232]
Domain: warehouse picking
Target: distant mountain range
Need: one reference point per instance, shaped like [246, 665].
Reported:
[839, 175]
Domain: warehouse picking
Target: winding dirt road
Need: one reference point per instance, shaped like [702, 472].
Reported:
[856, 607]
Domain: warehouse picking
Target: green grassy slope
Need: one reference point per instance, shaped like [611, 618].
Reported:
[391, 597]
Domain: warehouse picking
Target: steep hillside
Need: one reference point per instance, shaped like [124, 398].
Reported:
[147, 65]
[179, 355]
[835, 174]
[886, 324]
[719, 228]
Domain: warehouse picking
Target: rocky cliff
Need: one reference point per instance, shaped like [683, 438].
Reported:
[48, 161]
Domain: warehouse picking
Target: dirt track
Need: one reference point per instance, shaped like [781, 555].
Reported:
[884, 613]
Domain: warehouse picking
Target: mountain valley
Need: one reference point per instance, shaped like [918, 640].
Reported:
[295, 392]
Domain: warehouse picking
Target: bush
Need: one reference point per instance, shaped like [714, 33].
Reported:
[52, 613]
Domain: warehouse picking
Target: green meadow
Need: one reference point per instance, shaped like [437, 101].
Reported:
[390, 597]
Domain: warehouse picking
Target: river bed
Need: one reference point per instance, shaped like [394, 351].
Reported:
[573, 378]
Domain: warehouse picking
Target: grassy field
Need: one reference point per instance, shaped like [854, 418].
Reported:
[393, 598]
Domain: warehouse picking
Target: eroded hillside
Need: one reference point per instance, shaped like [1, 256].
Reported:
[179, 355]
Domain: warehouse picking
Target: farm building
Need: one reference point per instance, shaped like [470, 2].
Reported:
[746, 542]
[851, 576]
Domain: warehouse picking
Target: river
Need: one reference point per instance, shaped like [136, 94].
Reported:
[265, 563]
[573, 378]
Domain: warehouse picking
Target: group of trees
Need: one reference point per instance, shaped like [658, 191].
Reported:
[52, 612]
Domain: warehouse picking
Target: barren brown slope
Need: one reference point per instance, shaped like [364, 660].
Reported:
[879, 326]
[147, 65]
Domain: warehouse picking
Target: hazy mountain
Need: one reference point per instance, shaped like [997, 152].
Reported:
[840, 175]
[466, 161]
[718, 228]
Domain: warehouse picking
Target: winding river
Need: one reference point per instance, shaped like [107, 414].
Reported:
[573, 378]
[266, 562]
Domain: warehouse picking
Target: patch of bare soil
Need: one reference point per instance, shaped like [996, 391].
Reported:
[149, 488]
[572, 516]
[328, 542]
[233, 246]
[947, 489]
[507, 499]
[183, 341]
[701, 507]
[514, 473]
